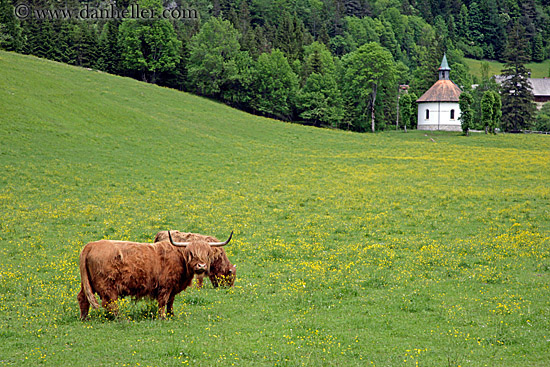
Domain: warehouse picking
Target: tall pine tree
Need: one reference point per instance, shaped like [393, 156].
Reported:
[518, 109]
[109, 50]
[291, 36]
[10, 30]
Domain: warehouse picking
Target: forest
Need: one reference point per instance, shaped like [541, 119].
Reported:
[332, 63]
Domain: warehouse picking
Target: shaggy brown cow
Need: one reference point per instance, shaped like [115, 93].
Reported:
[222, 272]
[159, 270]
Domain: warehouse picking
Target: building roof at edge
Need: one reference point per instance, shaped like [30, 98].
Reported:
[540, 86]
[441, 91]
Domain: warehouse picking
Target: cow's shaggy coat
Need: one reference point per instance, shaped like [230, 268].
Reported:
[114, 269]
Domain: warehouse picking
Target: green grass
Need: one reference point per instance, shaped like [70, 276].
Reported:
[352, 249]
[538, 70]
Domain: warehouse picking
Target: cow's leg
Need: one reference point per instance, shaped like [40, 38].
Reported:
[84, 304]
[162, 299]
[214, 279]
[200, 280]
[170, 305]
[162, 313]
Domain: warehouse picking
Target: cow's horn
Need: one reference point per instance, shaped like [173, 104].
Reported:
[220, 244]
[180, 244]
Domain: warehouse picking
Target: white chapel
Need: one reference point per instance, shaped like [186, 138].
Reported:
[438, 108]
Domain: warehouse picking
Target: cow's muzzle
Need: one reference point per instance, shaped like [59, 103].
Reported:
[201, 268]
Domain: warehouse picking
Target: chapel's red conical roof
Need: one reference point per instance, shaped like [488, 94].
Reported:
[441, 91]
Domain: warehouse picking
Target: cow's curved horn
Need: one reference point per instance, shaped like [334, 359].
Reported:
[220, 244]
[179, 244]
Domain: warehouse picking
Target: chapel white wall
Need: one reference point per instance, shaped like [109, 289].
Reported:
[440, 116]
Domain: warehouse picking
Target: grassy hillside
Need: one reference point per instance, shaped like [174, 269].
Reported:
[538, 70]
[385, 249]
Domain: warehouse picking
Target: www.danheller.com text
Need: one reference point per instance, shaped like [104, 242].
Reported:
[25, 11]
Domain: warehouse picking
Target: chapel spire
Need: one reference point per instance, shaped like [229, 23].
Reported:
[444, 69]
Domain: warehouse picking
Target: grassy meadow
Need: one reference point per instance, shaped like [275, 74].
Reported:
[538, 69]
[386, 249]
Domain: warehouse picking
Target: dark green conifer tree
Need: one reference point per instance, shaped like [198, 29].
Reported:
[477, 38]
[323, 36]
[10, 30]
[489, 27]
[44, 45]
[30, 31]
[85, 44]
[63, 50]
[425, 75]
[291, 36]
[463, 23]
[109, 49]
[518, 109]
[537, 48]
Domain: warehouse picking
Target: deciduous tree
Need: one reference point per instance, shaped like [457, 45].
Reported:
[406, 110]
[487, 110]
[148, 47]
[543, 118]
[274, 86]
[366, 71]
[212, 56]
[320, 100]
[497, 111]
[465, 101]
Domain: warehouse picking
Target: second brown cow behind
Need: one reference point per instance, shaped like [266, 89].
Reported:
[221, 273]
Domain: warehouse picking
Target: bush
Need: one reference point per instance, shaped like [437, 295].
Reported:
[542, 122]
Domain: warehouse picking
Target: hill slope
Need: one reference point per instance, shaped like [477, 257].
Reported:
[351, 248]
[538, 70]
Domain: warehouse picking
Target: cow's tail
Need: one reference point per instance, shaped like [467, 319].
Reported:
[85, 279]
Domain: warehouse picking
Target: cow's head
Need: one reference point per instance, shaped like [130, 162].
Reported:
[199, 252]
[229, 276]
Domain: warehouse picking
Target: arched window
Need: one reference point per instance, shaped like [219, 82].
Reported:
[427, 114]
[452, 114]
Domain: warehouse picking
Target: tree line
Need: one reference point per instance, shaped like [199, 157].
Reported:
[331, 63]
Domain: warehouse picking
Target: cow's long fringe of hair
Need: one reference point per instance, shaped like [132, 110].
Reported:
[198, 249]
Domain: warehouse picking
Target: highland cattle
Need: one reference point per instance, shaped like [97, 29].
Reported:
[161, 270]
